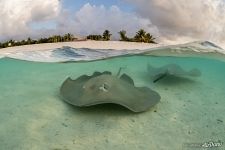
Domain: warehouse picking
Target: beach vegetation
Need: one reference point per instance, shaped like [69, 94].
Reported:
[123, 36]
[52, 39]
[140, 36]
[143, 36]
[106, 35]
[97, 37]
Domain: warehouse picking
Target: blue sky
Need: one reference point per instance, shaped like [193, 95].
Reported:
[75, 5]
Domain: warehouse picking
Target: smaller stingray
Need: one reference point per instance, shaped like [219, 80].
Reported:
[103, 88]
[171, 70]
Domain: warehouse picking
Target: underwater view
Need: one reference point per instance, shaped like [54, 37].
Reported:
[188, 108]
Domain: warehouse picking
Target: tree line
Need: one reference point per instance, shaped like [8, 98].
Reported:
[140, 36]
[52, 39]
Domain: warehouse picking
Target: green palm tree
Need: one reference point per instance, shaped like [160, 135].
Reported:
[106, 35]
[123, 36]
[150, 38]
[68, 37]
[29, 40]
[140, 36]
[65, 38]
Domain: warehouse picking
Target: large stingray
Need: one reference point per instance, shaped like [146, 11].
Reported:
[171, 70]
[105, 88]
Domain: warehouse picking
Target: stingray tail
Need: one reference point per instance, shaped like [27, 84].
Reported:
[119, 72]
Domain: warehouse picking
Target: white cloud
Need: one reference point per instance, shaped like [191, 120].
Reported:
[91, 19]
[193, 19]
[16, 15]
[17, 18]
[169, 20]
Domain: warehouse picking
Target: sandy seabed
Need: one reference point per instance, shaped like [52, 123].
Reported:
[33, 116]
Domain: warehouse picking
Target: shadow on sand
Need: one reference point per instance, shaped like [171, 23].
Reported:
[174, 80]
[108, 109]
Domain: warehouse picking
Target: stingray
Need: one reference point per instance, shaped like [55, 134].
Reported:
[171, 70]
[104, 87]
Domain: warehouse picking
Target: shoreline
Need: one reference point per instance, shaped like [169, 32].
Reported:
[46, 52]
[115, 45]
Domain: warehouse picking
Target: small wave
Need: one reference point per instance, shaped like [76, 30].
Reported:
[66, 52]
[1, 56]
[199, 49]
[70, 54]
[210, 45]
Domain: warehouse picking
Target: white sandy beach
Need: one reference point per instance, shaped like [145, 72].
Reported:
[116, 45]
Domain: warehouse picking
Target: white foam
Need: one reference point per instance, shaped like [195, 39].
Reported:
[69, 54]
[194, 47]
[1, 56]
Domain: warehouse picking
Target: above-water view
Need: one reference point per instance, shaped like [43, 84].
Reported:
[34, 115]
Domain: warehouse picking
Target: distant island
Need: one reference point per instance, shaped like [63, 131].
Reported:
[140, 36]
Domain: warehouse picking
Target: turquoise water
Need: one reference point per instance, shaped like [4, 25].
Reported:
[34, 117]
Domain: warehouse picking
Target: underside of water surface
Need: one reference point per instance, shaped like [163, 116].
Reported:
[33, 115]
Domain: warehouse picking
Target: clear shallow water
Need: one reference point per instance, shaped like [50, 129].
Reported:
[33, 116]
